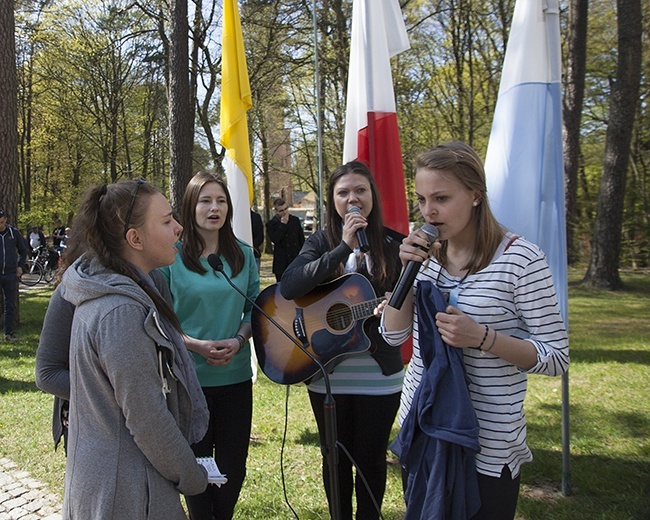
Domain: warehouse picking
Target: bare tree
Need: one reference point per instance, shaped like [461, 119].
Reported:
[606, 243]
[8, 112]
[8, 119]
[572, 113]
[181, 113]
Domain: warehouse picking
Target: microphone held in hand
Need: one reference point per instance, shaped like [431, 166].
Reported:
[407, 279]
[361, 233]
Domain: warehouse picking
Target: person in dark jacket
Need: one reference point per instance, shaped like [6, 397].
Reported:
[366, 385]
[58, 235]
[12, 257]
[286, 233]
[257, 227]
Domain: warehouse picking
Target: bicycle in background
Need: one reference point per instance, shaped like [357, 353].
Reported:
[43, 265]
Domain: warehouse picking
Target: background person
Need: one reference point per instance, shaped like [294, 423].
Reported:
[135, 403]
[216, 323]
[503, 312]
[366, 386]
[287, 235]
[58, 234]
[13, 255]
[257, 228]
[36, 238]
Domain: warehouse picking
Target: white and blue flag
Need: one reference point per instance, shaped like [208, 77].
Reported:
[524, 163]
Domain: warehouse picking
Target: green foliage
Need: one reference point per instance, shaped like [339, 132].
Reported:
[93, 106]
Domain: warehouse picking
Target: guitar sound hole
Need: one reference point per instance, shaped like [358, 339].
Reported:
[339, 317]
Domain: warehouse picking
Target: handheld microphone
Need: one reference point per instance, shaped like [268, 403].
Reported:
[361, 233]
[407, 279]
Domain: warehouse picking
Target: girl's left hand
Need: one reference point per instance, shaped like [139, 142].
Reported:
[457, 329]
[377, 311]
[223, 352]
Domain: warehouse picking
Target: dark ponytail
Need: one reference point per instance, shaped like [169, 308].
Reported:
[99, 228]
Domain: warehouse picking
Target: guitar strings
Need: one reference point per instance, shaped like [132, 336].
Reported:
[345, 311]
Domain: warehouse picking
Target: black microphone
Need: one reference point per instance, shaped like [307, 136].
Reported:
[407, 279]
[361, 233]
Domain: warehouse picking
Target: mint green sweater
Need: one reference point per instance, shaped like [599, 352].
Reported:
[209, 308]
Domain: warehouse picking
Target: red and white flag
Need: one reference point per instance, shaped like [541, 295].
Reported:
[371, 134]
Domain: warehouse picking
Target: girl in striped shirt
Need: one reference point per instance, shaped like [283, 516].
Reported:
[503, 312]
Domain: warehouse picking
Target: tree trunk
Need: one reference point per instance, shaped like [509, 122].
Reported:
[606, 244]
[572, 115]
[8, 113]
[9, 171]
[181, 114]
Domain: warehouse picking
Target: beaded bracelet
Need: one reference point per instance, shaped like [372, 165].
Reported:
[487, 329]
[494, 340]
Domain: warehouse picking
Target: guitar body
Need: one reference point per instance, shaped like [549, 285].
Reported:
[332, 317]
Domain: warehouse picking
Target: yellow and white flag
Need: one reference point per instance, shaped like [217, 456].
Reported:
[235, 101]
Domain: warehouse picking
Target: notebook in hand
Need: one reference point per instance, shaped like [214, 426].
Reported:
[214, 475]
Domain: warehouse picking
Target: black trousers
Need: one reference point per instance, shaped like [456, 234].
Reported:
[364, 423]
[498, 496]
[227, 440]
[9, 283]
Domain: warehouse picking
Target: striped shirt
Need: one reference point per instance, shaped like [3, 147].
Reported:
[514, 295]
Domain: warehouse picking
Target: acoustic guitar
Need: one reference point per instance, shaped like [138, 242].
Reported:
[329, 320]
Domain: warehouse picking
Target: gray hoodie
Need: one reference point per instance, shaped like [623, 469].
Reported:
[128, 456]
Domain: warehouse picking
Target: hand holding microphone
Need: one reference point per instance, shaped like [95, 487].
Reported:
[364, 246]
[407, 278]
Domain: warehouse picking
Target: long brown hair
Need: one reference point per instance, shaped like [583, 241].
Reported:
[461, 161]
[193, 243]
[384, 270]
[99, 228]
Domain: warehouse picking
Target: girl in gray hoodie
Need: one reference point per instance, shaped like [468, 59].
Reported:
[135, 402]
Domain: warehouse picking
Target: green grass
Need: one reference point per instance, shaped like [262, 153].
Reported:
[609, 391]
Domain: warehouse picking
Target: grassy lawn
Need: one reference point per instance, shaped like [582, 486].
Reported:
[610, 421]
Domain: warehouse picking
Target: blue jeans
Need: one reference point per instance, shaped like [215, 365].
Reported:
[8, 282]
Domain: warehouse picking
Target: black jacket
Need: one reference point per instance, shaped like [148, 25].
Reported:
[257, 227]
[13, 252]
[287, 241]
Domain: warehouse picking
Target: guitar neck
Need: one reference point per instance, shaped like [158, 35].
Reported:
[365, 309]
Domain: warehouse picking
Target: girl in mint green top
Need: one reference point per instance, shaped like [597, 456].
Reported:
[215, 320]
[210, 309]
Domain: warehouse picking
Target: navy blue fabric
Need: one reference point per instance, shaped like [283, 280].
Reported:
[438, 441]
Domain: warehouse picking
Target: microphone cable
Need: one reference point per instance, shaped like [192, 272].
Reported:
[284, 443]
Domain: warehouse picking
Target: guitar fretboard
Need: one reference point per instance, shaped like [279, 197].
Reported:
[365, 309]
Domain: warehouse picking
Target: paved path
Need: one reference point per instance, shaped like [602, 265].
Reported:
[23, 498]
